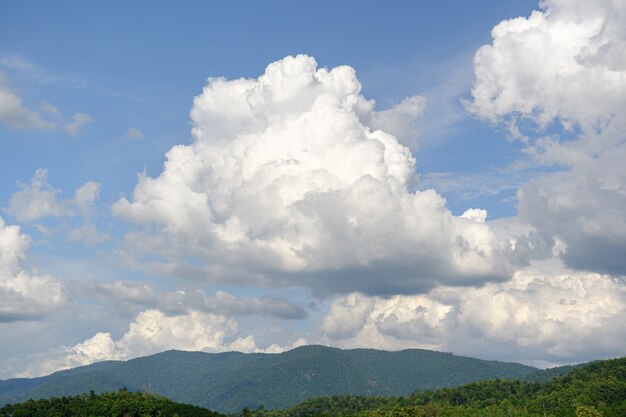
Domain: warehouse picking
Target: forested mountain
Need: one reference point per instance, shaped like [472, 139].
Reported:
[597, 389]
[593, 390]
[228, 382]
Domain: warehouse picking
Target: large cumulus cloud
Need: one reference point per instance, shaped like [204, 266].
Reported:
[564, 66]
[563, 62]
[288, 177]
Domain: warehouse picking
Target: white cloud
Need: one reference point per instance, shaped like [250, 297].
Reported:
[347, 316]
[151, 331]
[133, 133]
[475, 215]
[40, 200]
[399, 119]
[287, 182]
[545, 313]
[565, 63]
[100, 347]
[78, 121]
[14, 114]
[23, 296]
[584, 208]
[86, 195]
[37, 200]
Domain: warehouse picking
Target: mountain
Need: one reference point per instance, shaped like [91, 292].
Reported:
[595, 389]
[228, 382]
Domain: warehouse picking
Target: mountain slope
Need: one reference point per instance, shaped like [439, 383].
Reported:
[593, 389]
[228, 382]
[120, 404]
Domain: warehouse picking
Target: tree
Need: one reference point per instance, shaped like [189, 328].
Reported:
[587, 411]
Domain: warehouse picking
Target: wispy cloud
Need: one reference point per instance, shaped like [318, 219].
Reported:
[79, 120]
[14, 114]
[133, 133]
[22, 68]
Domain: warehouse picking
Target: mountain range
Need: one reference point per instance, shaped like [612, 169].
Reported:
[228, 382]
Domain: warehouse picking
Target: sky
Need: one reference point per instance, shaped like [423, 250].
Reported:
[256, 176]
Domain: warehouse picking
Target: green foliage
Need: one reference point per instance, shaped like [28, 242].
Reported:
[228, 382]
[595, 390]
[120, 404]
[587, 411]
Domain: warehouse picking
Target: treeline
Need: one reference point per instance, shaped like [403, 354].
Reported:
[119, 404]
[598, 389]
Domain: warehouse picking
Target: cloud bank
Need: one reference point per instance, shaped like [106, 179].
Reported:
[545, 314]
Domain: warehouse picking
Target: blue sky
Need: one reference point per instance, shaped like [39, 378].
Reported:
[93, 95]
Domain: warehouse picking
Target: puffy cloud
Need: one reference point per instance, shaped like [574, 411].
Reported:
[86, 195]
[566, 63]
[36, 200]
[545, 313]
[100, 347]
[290, 179]
[151, 331]
[23, 296]
[563, 62]
[40, 200]
[347, 315]
[14, 114]
[475, 215]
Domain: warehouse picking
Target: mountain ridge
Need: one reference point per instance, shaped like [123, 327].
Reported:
[230, 381]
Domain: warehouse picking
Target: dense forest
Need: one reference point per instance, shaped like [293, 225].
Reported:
[597, 389]
[120, 404]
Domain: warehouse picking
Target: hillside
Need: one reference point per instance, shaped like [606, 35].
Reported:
[228, 382]
[120, 404]
[592, 390]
